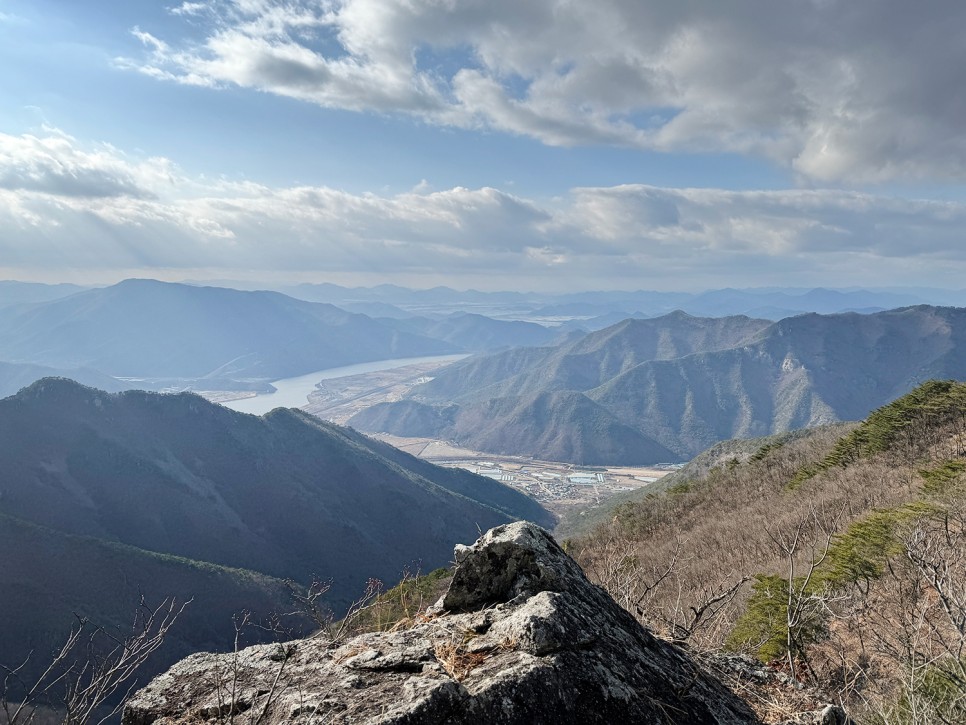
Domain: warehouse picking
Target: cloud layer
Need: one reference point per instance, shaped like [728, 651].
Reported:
[66, 205]
[847, 91]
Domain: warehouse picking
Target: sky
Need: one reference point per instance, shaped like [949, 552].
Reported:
[546, 145]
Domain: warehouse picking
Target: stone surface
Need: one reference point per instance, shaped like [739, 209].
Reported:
[775, 692]
[520, 637]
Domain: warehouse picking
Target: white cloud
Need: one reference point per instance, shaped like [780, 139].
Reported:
[190, 8]
[54, 164]
[67, 205]
[838, 90]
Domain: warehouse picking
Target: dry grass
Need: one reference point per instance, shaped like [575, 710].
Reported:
[455, 659]
[663, 557]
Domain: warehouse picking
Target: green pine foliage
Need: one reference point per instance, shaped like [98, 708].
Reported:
[770, 447]
[679, 488]
[934, 400]
[944, 478]
[763, 627]
[860, 553]
[932, 403]
[867, 513]
[856, 556]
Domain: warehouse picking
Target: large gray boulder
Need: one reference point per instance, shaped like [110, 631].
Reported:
[520, 637]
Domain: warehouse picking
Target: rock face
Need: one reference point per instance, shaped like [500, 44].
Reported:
[520, 637]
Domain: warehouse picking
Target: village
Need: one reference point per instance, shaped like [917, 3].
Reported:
[558, 486]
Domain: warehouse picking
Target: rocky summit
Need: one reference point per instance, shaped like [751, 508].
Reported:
[520, 637]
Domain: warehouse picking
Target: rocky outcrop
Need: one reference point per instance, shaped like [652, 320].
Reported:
[520, 637]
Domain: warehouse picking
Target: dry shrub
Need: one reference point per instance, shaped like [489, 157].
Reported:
[665, 558]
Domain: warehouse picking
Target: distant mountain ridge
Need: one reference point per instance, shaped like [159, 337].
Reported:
[598, 309]
[19, 293]
[15, 376]
[589, 361]
[477, 333]
[751, 378]
[145, 328]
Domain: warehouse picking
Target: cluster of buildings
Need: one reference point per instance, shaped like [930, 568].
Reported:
[545, 481]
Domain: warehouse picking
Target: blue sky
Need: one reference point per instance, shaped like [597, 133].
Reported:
[547, 145]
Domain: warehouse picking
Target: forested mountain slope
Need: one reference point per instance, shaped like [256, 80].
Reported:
[51, 578]
[587, 361]
[105, 495]
[838, 554]
[285, 494]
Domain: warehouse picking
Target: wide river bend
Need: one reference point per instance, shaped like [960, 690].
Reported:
[294, 392]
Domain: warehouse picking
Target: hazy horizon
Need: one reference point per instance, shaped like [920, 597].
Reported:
[252, 285]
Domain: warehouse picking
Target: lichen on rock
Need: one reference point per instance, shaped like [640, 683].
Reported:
[520, 637]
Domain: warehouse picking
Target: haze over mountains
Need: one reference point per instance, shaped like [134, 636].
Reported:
[642, 390]
[478, 333]
[143, 328]
[595, 310]
[15, 376]
[679, 384]
[388, 300]
[188, 336]
[18, 293]
[163, 334]
[165, 491]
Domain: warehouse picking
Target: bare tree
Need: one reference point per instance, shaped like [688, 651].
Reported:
[308, 603]
[935, 549]
[89, 670]
[244, 693]
[812, 536]
[704, 610]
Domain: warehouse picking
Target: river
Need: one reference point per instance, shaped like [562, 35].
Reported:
[294, 392]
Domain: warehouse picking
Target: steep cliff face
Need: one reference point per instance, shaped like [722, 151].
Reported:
[520, 637]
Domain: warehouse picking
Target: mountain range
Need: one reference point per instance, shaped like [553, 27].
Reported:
[595, 310]
[477, 333]
[144, 328]
[675, 385]
[160, 335]
[102, 495]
